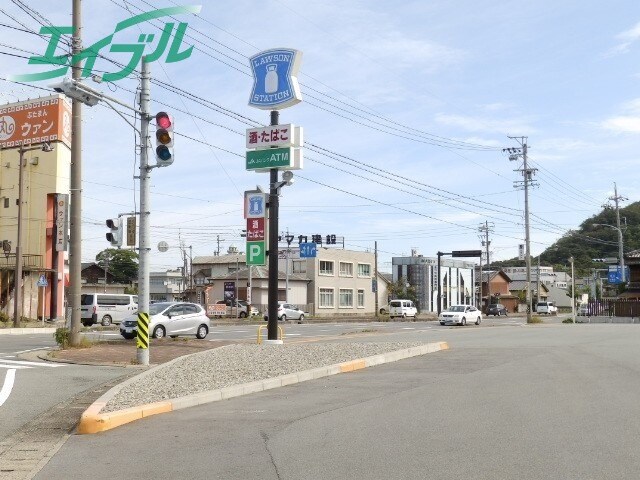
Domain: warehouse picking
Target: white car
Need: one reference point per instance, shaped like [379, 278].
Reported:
[547, 308]
[288, 311]
[460, 315]
[402, 309]
[172, 319]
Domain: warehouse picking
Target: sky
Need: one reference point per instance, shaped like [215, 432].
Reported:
[406, 110]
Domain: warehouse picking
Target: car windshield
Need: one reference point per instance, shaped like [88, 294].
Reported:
[156, 308]
[457, 308]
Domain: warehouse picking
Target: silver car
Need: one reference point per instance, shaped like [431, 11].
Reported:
[288, 311]
[460, 315]
[172, 319]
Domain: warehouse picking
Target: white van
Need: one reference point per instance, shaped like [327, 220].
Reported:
[106, 308]
[402, 308]
[547, 308]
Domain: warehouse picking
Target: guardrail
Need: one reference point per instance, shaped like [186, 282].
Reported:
[280, 331]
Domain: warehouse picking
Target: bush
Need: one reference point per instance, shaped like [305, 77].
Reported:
[536, 319]
[567, 320]
[4, 318]
[62, 336]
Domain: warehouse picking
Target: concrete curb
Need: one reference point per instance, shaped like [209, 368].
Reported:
[92, 421]
[26, 331]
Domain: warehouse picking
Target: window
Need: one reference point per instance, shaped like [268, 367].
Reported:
[364, 270]
[346, 297]
[299, 267]
[346, 269]
[360, 298]
[326, 267]
[326, 298]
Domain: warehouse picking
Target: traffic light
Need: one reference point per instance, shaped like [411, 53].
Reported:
[164, 139]
[115, 235]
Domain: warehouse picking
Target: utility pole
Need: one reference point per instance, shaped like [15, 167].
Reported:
[527, 174]
[75, 209]
[274, 204]
[142, 344]
[485, 229]
[375, 275]
[618, 198]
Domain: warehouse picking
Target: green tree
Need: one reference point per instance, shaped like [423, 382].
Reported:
[399, 289]
[122, 264]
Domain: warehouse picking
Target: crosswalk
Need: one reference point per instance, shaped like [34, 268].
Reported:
[24, 364]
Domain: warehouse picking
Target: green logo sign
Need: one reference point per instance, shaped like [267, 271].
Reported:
[136, 50]
[269, 158]
[256, 253]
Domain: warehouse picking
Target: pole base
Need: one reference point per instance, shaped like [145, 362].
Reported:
[272, 342]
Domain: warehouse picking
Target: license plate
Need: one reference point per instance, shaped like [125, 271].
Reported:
[128, 330]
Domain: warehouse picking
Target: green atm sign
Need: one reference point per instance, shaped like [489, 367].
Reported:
[270, 158]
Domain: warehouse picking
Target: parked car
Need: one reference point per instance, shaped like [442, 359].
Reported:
[287, 311]
[496, 309]
[384, 310]
[460, 315]
[583, 309]
[548, 308]
[402, 308]
[172, 319]
[242, 307]
[106, 308]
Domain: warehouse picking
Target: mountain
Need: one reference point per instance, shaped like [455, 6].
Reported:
[589, 242]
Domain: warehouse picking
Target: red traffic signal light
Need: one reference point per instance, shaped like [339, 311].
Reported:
[164, 139]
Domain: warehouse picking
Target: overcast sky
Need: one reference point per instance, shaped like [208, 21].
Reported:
[405, 110]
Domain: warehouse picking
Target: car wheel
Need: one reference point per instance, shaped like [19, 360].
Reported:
[159, 332]
[87, 324]
[129, 336]
[441, 323]
[106, 321]
[404, 315]
[242, 315]
[202, 332]
[173, 336]
[464, 321]
[283, 318]
[382, 311]
[478, 321]
[301, 319]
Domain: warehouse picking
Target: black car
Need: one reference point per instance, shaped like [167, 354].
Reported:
[496, 309]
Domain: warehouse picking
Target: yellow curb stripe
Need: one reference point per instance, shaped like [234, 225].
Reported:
[94, 422]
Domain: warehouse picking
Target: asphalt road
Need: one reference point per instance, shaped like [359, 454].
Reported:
[528, 402]
[35, 386]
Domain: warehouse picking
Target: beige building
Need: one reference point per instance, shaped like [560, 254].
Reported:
[43, 178]
[337, 282]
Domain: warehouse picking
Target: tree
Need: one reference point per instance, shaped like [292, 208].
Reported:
[402, 289]
[122, 264]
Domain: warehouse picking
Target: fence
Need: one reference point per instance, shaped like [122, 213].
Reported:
[614, 308]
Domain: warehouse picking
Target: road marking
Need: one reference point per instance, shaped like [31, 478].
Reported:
[7, 386]
[408, 328]
[32, 364]
[293, 334]
[15, 367]
[31, 350]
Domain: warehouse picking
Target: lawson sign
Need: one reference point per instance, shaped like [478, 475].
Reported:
[275, 82]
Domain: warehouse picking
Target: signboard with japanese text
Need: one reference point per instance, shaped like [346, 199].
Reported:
[255, 229]
[62, 202]
[287, 158]
[131, 231]
[274, 136]
[216, 310]
[275, 83]
[229, 290]
[46, 119]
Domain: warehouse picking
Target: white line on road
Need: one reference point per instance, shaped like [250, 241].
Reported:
[31, 350]
[7, 386]
[33, 364]
[16, 367]
[408, 328]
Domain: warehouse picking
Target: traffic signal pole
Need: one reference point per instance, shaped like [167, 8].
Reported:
[142, 351]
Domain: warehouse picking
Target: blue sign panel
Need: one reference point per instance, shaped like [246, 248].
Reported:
[308, 250]
[275, 85]
[614, 275]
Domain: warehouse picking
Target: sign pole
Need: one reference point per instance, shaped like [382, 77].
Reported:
[274, 204]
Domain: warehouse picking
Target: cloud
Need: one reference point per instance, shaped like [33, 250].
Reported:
[626, 38]
[628, 121]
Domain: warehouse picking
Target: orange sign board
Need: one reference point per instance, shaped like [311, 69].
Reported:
[46, 119]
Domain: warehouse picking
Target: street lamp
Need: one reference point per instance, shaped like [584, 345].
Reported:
[573, 292]
[620, 248]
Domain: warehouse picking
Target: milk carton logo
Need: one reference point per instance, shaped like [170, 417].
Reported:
[275, 83]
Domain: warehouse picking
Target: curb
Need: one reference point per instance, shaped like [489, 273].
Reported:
[26, 331]
[92, 421]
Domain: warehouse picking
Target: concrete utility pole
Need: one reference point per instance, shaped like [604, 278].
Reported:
[485, 229]
[75, 207]
[375, 275]
[527, 174]
[618, 198]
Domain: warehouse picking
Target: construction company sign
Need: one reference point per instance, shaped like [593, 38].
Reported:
[46, 119]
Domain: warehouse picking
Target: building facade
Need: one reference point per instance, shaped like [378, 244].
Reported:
[36, 183]
[456, 281]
